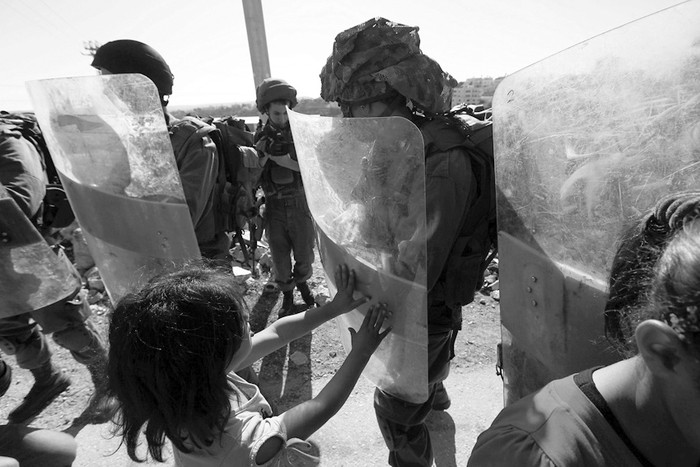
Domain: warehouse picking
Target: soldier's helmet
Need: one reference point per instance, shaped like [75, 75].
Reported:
[130, 56]
[273, 89]
[379, 57]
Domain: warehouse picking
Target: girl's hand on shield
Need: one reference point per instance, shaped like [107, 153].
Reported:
[345, 283]
[370, 335]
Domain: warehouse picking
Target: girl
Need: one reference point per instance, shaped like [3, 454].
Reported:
[641, 411]
[174, 348]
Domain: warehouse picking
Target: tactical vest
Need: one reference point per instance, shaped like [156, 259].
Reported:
[469, 257]
[278, 181]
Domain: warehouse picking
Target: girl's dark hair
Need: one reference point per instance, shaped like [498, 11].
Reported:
[656, 273]
[170, 344]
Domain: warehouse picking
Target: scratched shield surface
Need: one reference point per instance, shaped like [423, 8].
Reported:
[591, 137]
[364, 179]
[109, 142]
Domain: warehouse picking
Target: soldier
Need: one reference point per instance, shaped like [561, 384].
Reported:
[196, 153]
[377, 70]
[288, 220]
[23, 333]
[645, 409]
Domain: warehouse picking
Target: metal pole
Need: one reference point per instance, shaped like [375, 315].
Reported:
[257, 41]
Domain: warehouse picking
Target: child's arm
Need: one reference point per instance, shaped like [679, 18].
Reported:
[292, 327]
[304, 419]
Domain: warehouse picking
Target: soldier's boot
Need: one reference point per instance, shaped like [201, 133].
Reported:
[5, 377]
[306, 294]
[442, 400]
[49, 382]
[287, 303]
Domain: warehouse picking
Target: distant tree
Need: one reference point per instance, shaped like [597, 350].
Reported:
[315, 106]
[318, 106]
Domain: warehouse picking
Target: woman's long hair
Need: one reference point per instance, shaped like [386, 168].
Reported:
[170, 345]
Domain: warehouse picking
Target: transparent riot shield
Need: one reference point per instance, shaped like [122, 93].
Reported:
[110, 145]
[586, 141]
[32, 276]
[365, 183]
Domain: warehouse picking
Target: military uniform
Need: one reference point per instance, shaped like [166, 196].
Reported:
[23, 334]
[381, 61]
[288, 221]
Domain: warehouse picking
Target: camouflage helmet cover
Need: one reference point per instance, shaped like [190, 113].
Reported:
[378, 56]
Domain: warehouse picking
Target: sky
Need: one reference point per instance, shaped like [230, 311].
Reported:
[206, 45]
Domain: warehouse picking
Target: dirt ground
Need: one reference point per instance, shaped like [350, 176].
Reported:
[284, 376]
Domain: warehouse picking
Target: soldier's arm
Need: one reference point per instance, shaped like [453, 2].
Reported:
[22, 174]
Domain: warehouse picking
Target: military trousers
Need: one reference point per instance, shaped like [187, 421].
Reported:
[402, 423]
[290, 231]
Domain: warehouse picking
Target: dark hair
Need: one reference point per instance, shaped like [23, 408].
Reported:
[676, 286]
[656, 275]
[170, 344]
[631, 275]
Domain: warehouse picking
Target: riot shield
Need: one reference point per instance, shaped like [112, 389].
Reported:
[586, 141]
[365, 183]
[110, 145]
[32, 276]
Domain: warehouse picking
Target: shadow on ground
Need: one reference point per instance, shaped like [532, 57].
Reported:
[442, 431]
[284, 377]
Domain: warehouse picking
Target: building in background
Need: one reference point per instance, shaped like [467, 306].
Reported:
[475, 91]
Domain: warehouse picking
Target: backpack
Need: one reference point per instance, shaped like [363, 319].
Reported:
[55, 211]
[242, 181]
[234, 198]
[470, 128]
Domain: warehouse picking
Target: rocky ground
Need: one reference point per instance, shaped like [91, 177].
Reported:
[285, 375]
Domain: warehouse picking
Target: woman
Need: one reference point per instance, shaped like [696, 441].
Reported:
[641, 411]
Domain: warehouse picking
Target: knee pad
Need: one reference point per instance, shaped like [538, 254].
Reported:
[12, 344]
[79, 305]
[78, 339]
[30, 353]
